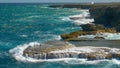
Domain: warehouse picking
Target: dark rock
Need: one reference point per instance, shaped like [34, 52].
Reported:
[97, 37]
[109, 56]
[91, 57]
[89, 27]
[116, 56]
[106, 15]
[83, 55]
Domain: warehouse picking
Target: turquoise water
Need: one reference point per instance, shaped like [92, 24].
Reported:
[25, 23]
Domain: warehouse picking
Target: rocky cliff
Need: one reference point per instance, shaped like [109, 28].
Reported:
[107, 14]
[106, 18]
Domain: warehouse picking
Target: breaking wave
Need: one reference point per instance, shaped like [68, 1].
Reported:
[24, 35]
[57, 37]
[80, 19]
[96, 62]
[108, 36]
[17, 53]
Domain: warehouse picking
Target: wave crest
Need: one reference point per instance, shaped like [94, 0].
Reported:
[107, 36]
[17, 52]
[80, 19]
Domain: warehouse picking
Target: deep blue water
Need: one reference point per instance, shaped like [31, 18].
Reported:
[25, 23]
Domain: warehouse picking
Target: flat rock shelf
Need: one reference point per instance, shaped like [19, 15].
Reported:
[96, 42]
[62, 49]
[42, 51]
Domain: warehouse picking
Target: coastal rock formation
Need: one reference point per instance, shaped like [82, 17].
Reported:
[106, 20]
[107, 14]
[45, 52]
[89, 53]
[89, 29]
[42, 51]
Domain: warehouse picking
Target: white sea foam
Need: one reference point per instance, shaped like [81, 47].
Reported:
[23, 35]
[80, 19]
[115, 61]
[85, 61]
[108, 36]
[82, 15]
[86, 36]
[66, 19]
[79, 10]
[57, 37]
[28, 18]
[83, 21]
[112, 36]
[17, 53]
[45, 7]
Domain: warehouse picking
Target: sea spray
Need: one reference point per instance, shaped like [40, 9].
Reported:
[107, 36]
[80, 19]
[18, 51]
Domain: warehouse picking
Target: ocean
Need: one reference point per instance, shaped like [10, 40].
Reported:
[25, 23]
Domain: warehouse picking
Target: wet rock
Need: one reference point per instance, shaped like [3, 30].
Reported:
[91, 57]
[97, 37]
[109, 56]
[70, 51]
[83, 55]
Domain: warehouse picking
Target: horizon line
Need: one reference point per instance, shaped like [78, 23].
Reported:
[59, 2]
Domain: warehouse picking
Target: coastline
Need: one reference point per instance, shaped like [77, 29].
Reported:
[26, 56]
[29, 53]
[106, 19]
[104, 13]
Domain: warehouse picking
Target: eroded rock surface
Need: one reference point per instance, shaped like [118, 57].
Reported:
[67, 50]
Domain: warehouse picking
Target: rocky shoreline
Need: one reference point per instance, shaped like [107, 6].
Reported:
[63, 49]
[42, 50]
[89, 29]
[106, 14]
[54, 51]
[106, 19]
